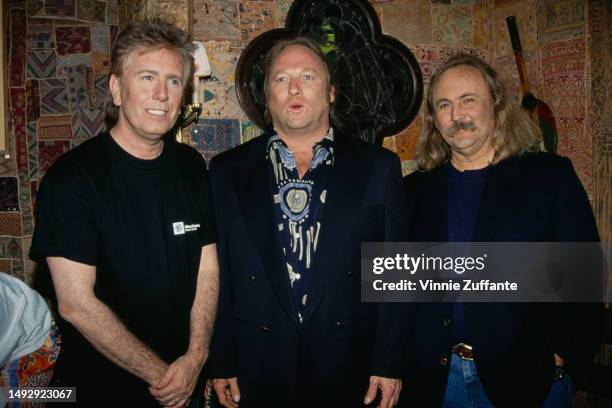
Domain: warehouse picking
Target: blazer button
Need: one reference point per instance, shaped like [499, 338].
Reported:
[446, 322]
[252, 277]
[340, 325]
[349, 273]
[444, 361]
[265, 329]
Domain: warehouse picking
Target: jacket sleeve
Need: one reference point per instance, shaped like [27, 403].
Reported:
[389, 342]
[222, 361]
[578, 325]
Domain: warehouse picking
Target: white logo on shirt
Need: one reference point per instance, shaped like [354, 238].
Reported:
[178, 227]
[181, 228]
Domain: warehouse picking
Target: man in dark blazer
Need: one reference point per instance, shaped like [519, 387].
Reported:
[292, 208]
[482, 179]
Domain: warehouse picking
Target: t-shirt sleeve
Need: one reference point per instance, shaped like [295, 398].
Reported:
[65, 218]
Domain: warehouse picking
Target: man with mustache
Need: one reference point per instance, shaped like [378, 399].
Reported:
[125, 225]
[292, 208]
[482, 179]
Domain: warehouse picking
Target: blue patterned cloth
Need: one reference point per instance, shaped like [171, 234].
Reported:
[298, 205]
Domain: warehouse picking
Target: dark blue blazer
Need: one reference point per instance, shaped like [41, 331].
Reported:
[327, 360]
[534, 197]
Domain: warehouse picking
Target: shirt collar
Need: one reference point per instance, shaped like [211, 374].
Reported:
[327, 143]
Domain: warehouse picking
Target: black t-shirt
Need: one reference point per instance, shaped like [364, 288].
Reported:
[142, 224]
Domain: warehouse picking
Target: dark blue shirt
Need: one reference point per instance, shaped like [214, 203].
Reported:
[298, 204]
[464, 196]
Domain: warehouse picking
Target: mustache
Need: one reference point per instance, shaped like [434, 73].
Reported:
[461, 126]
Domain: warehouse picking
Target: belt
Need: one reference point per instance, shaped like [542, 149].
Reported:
[465, 351]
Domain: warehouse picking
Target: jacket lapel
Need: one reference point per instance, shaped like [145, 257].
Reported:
[431, 223]
[344, 197]
[252, 185]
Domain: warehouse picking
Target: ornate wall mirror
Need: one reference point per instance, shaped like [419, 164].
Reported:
[379, 85]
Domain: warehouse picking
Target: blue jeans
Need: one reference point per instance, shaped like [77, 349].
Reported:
[560, 395]
[464, 389]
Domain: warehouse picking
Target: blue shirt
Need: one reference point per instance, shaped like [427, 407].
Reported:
[298, 205]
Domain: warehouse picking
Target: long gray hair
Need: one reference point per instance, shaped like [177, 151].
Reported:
[515, 132]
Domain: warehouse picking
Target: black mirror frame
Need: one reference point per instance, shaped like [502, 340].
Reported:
[399, 82]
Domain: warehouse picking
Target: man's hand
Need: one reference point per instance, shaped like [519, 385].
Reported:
[389, 387]
[227, 391]
[176, 385]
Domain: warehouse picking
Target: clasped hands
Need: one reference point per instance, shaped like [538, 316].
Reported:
[228, 392]
[175, 386]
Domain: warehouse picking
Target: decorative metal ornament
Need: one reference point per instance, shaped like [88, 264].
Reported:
[297, 200]
[294, 198]
[379, 86]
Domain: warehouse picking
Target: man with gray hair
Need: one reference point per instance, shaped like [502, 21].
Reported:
[482, 179]
[125, 225]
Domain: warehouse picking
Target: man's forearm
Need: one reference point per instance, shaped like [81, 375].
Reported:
[107, 334]
[205, 303]
[74, 286]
